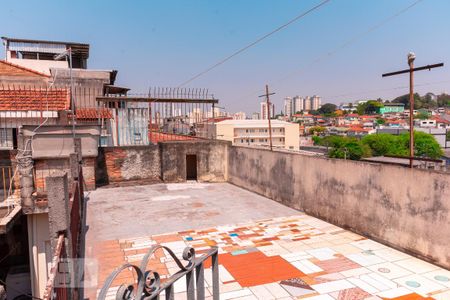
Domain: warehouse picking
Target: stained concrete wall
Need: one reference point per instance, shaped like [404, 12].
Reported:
[118, 164]
[211, 160]
[404, 208]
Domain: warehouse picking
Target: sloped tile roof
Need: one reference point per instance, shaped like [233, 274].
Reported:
[93, 113]
[10, 69]
[34, 100]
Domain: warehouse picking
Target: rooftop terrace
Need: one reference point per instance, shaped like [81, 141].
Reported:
[266, 250]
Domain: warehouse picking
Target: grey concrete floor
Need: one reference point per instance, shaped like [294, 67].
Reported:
[125, 212]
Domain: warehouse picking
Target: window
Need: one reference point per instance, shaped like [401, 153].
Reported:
[6, 138]
[242, 141]
[251, 140]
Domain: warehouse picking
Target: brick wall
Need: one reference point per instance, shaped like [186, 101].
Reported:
[45, 167]
[130, 163]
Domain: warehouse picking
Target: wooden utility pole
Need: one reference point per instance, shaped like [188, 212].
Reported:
[411, 58]
[267, 94]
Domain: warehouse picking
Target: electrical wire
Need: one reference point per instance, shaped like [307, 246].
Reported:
[387, 89]
[254, 43]
[345, 44]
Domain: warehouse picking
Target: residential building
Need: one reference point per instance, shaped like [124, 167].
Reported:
[239, 116]
[285, 135]
[41, 55]
[288, 107]
[298, 104]
[316, 102]
[256, 116]
[264, 110]
[307, 106]
[391, 108]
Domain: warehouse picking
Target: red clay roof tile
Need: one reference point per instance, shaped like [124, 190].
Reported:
[34, 100]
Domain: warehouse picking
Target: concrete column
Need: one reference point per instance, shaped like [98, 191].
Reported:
[58, 204]
[25, 165]
[77, 148]
[74, 165]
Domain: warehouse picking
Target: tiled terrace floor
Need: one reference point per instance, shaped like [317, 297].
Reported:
[291, 257]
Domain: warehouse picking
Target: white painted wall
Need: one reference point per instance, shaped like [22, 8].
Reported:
[40, 252]
[42, 66]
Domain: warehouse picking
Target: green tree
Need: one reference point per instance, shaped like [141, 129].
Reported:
[443, 100]
[317, 140]
[405, 100]
[380, 121]
[327, 108]
[422, 116]
[385, 144]
[370, 107]
[425, 145]
[317, 130]
[348, 148]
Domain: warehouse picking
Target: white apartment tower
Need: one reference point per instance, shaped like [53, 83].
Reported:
[298, 103]
[307, 104]
[315, 102]
[288, 107]
[264, 112]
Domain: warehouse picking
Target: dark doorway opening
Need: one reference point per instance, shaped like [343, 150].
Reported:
[191, 167]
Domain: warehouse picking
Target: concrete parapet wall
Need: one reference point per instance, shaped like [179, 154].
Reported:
[211, 160]
[166, 161]
[404, 208]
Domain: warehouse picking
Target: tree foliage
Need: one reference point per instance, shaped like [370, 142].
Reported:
[317, 130]
[345, 147]
[427, 101]
[370, 107]
[425, 145]
[327, 108]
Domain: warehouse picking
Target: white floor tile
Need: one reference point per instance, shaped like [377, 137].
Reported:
[332, 286]
[322, 253]
[419, 284]
[379, 282]
[363, 285]
[389, 270]
[306, 266]
[236, 294]
[416, 265]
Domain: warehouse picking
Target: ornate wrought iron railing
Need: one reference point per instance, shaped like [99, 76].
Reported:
[149, 285]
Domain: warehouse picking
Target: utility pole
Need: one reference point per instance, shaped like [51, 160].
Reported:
[267, 94]
[411, 58]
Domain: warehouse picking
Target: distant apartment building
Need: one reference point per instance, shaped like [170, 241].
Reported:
[239, 116]
[288, 107]
[350, 107]
[255, 133]
[307, 104]
[264, 111]
[315, 102]
[256, 116]
[298, 103]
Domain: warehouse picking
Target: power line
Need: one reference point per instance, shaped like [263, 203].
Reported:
[386, 89]
[254, 43]
[347, 43]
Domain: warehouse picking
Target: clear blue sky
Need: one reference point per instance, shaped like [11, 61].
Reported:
[163, 43]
